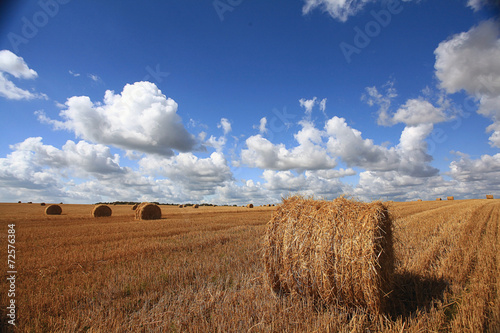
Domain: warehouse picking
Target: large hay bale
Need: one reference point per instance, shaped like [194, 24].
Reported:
[438, 199]
[181, 206]
[489, 196]
[339, 252]
[250, 205]
[101, 211]
[450, 198]
[196, 206]
[148, 211]
[53, 210]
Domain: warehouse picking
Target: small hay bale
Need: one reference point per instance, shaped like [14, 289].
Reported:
[181, 206]
[339, 252]
[148, 211]
[450, 198]
[101, 211]
[30, 202]
[53, 210]
[42, 204]
[134, 207]
[19, 202]
[196, 206]
[489, 196]
[250, 206]
[439, 199]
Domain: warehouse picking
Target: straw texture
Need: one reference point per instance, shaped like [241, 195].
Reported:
[339, 252]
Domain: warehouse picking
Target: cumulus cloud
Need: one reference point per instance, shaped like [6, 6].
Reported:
[470, 61]
[373, 97]
[418, 111]
[141, 119]
[262, 125]
[308, 104]
[308, 155]
[197, 176]
[17, 67]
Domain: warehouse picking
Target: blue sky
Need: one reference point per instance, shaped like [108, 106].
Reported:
[248, 101]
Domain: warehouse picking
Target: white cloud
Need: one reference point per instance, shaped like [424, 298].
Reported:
[262, 125]
[73, 73]
[308, 155]
[470, 61]
[418, 111]
[338, 9]
[141, 118]
[322, 105]
[225, 124]
[308, 104]
[17, 67]
[198, 177]
[477, 5]
[374, 97]
[94, 77]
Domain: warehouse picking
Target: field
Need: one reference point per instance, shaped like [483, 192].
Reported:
[200, 270]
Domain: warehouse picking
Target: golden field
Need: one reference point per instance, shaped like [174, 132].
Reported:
[201, 270]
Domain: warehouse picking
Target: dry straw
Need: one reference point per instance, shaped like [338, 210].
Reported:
[181, 206]
[250, 205]
[339, 252]
[438, 199]
[53, 210]
[148, 211]
[489, 196]
[450, 198]
[134, 207]
[101, 211]
[196, 206]
[42, 204]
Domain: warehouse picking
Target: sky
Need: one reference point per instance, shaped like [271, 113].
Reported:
[238, 101]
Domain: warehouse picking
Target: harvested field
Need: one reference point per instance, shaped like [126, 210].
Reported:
[202, 271]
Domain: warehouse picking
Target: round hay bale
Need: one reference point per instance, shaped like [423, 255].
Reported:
[181, 206]
[19, 202]
[439, 199]
[339, 252]
[42, 204]
[53, 210]
[450, 198]
[489, 196]
[148, 211]
[101, 211]
[29, 202]
[250, 206]
[134, 207]
[196, 206]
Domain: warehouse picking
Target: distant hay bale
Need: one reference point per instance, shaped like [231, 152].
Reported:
[29, 202]
[42, 204]
[134, 207]
[489, 196]
[250, 205]
[195, 206]
[419, 200]
[101, 211]
[450, 198]
[181, 206]
[53, 210]
[339, 252]
[148, 211]
[439, 199]
[19, 202]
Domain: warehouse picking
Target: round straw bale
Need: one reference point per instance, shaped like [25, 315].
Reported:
[339, 252]
[134, 207]
[19, 202]
[42, 204]
[53, 210]
[148, 211]
[196, 206]
[181, 206]
[250, 205]
[489, 196]
[450, 198]
[101, 211]
[438, 199]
